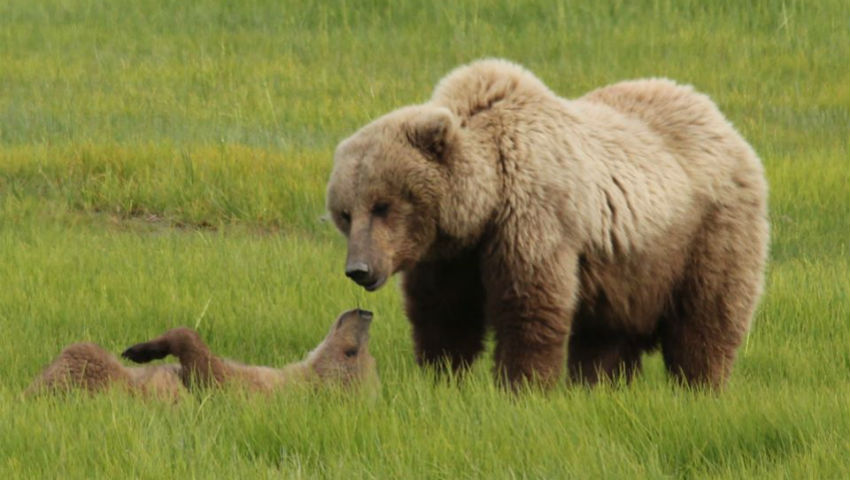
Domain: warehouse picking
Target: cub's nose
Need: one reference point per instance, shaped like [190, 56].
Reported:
[365, 314]
[359, 272]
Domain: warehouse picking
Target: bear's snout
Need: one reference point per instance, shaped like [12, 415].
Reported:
[359, 272]
[364, 275]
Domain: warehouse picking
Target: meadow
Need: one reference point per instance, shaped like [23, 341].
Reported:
[164, 162]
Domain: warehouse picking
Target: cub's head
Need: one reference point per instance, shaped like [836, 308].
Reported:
[388, 189]
[343, 356]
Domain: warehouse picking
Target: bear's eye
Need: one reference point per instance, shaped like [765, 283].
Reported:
[345, 217]
[381, 209]
[351, 352]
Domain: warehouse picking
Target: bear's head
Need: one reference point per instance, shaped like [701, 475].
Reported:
[343, 356]
[402, 183]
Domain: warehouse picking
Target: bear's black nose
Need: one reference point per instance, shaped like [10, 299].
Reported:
[359, 272]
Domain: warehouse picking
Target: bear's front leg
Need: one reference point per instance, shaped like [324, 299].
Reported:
[531, 306]
[444, 301]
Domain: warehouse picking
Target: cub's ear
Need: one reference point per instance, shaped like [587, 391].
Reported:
[432, 131]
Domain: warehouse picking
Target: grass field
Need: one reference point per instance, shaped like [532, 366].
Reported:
[164, 163]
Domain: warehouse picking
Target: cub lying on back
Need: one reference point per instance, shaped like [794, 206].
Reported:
[342, 358]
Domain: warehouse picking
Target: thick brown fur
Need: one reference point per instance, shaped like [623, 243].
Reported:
[342, 358]
[630, 218]
[89, 367]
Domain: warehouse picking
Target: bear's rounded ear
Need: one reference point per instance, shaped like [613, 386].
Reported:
[431, 131]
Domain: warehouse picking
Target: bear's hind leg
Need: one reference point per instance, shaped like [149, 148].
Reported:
[715, 302]
[81, 365]
[444, 302]
[199, 365]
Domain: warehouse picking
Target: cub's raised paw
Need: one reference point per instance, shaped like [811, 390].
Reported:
[145, 352]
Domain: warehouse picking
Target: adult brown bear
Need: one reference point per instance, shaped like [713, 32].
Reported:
[629, 218]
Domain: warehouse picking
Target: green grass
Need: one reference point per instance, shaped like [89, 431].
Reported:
[164, 163]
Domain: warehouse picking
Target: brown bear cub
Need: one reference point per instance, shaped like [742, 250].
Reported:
[342, 359]
[583, 232]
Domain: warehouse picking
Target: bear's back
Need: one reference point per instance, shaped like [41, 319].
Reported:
[691, 126]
